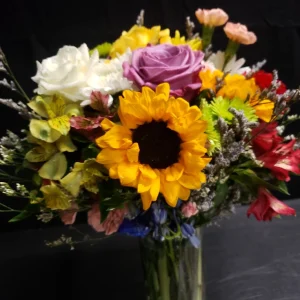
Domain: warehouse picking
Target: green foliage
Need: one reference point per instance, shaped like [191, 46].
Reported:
[251, 181]
[221, 194]
[91, 151]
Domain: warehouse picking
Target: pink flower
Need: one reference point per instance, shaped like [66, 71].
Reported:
[85, 123]
[189, 209]
[101, 102]
[68, 216]
[266, 206]
[112, 222]
[239, 33]
[177, 65]
[211, 17]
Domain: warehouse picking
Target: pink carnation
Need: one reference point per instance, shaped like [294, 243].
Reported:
[211, 17]
[189, 209]
[112, 222]
[239, 33]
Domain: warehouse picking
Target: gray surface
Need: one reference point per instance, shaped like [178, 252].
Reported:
[243, 260]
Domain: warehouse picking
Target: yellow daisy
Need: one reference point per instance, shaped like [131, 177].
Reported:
[159, 146]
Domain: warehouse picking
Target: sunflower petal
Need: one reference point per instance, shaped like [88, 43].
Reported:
[184, 193]
[133, 153]
[170, 190]
[147, 171]
[192, 182]
[146, 199]
[128, 173]
[144, 184]
[155, 188]
[118, 137]
[174, 172]
[107, 124]
[109, 156]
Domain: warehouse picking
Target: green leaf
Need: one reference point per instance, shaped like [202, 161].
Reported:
[253, 181]
[90, 152]
[221, 193]
[26, 213]
[21, 216]
[110, 197]
[37, 179]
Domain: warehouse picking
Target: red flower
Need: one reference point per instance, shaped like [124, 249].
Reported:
[281, 160]
[264, 79]
[278, 156]
[266, 206]
[265, 138]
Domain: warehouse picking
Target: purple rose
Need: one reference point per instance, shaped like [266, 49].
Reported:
[177, 65]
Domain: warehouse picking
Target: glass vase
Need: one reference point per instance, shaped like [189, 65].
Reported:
[172, 269]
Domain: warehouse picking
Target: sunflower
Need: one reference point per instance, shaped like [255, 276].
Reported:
[159, 146]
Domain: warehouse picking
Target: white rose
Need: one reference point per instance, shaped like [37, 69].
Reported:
[66, 73]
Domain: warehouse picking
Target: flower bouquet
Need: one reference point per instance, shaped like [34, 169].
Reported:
[152, 136]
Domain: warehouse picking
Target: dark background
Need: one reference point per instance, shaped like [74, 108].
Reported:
[244, 259]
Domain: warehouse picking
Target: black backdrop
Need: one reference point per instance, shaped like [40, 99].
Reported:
[31, 30]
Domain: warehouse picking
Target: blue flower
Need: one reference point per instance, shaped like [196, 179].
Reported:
[188, 231]
[134, 228]
[159, 214]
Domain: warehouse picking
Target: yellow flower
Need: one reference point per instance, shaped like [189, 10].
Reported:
[55, 197]
[159, 146]
[58, 112]
[137, 37]
[195, 44]
[209, 79]
[237, 86]
[87, 174]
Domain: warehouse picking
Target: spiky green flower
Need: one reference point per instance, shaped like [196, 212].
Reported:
[103, 49]
[212, 134]
[220, 106]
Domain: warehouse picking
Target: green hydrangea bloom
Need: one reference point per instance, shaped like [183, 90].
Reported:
[103, 49]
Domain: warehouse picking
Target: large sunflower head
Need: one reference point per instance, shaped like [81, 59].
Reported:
[159, 146]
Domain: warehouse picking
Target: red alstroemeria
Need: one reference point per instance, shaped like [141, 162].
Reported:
[282, 160]
[265, 138]
[276, 155]
[266, 206]
[264, 79]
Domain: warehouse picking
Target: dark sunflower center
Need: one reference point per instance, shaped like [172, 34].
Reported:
[159, 145]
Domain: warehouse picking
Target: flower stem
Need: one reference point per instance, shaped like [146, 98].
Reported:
[163, 276]
[230, 51]
[207, 34]
[8, 209]
[22, 92]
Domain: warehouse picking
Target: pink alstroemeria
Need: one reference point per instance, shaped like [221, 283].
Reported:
[101, 102]
[189, 209]
[68, 216]
[266, 206]
[85, 123]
